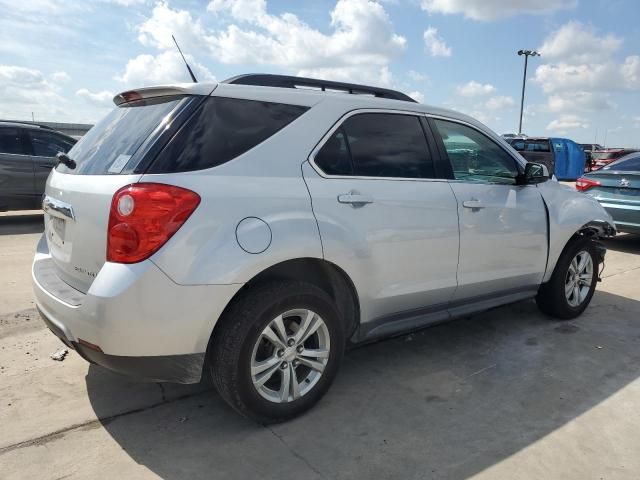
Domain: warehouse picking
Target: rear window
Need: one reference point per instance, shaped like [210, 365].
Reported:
[222, 129]
[531, 145]
[630, 163]
[110, 144]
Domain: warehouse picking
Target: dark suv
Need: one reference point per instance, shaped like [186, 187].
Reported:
[27, 154]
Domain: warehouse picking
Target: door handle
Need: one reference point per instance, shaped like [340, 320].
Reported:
[472, 204]
[355, 199]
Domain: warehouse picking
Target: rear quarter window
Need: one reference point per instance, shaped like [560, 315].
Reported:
[222, 129]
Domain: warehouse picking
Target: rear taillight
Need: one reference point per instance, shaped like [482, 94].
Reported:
[584, 183]
[143, 217]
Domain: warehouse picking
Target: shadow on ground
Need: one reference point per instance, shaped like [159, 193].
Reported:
[625, 243]
[447, 402]
[16, 224]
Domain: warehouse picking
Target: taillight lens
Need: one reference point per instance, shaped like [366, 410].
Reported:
[584, 183]
[143, 217]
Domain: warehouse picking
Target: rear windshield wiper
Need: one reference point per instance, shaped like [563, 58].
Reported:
[67, 161]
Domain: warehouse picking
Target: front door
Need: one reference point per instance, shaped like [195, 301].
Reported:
[503, 226]
[382, 215]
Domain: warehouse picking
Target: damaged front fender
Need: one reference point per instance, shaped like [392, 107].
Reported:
[571, 213]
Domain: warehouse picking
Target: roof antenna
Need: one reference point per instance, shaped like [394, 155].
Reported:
[193, 77]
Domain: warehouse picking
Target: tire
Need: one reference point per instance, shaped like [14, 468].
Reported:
[552, 299]
[239, 343]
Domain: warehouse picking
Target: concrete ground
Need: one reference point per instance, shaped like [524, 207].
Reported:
[509, 394]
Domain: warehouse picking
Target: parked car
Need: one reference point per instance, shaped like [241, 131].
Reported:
[600, 158]
[27, 155]
[563, 157]
[588, 149]
[617, 187]
[251, 230]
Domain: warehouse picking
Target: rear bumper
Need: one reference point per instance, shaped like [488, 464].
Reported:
[144, 324]
[625, 215]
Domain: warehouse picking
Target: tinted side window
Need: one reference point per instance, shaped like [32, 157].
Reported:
[388, 145]
[474, 156]
[220, 130]
[48, 144]
[11, 142]
[334, 158]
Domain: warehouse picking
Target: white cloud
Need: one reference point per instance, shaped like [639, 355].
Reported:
[575, 42]
[474, 89]
[605, 76]
[580, 100]
[361, 44]
[166, 67]
[435, 43]
[25, 90]
[99, 99]
[416, 76]
[567, 122]
[495, 9]
[417, 96]
[500, 102]
[585, 63]
[60, 77]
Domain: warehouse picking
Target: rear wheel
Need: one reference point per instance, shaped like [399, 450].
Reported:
[277, 350]
[570, 288]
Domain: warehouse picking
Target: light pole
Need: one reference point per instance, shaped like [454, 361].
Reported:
[527, 54]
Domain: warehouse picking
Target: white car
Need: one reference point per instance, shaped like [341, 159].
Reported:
[250, 230]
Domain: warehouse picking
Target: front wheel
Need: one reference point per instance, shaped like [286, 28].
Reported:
[277, 350]
[570, 288]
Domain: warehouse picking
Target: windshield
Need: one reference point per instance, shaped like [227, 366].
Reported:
[108, 146]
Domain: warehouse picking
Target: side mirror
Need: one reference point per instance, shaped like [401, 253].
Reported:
[535, 173]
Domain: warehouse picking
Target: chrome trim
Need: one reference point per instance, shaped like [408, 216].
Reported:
[57, 208]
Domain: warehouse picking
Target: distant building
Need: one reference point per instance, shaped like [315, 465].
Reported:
[71, 129]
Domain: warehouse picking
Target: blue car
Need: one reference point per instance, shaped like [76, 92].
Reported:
[617, 187]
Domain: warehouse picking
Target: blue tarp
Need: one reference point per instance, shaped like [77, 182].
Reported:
[569, 158]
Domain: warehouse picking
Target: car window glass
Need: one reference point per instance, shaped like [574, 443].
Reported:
[48, 144]
[221, 130]
[333, 158]
[629, 164]
[474, 157]
[11, 142]
[388, 145]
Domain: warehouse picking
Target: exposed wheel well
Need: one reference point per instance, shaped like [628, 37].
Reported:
[325, 275]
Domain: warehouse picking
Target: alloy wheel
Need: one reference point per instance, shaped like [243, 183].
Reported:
[290, 356]
[579, 277]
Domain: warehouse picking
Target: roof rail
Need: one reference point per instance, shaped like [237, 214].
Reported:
[26, 123]
[290, 81]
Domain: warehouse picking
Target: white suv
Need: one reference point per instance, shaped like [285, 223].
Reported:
[252, 229]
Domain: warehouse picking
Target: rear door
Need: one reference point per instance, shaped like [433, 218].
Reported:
[383, 215]
[503, 226]
[16, 170]
[45, 145]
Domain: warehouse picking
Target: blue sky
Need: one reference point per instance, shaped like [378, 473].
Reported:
[64, 60]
